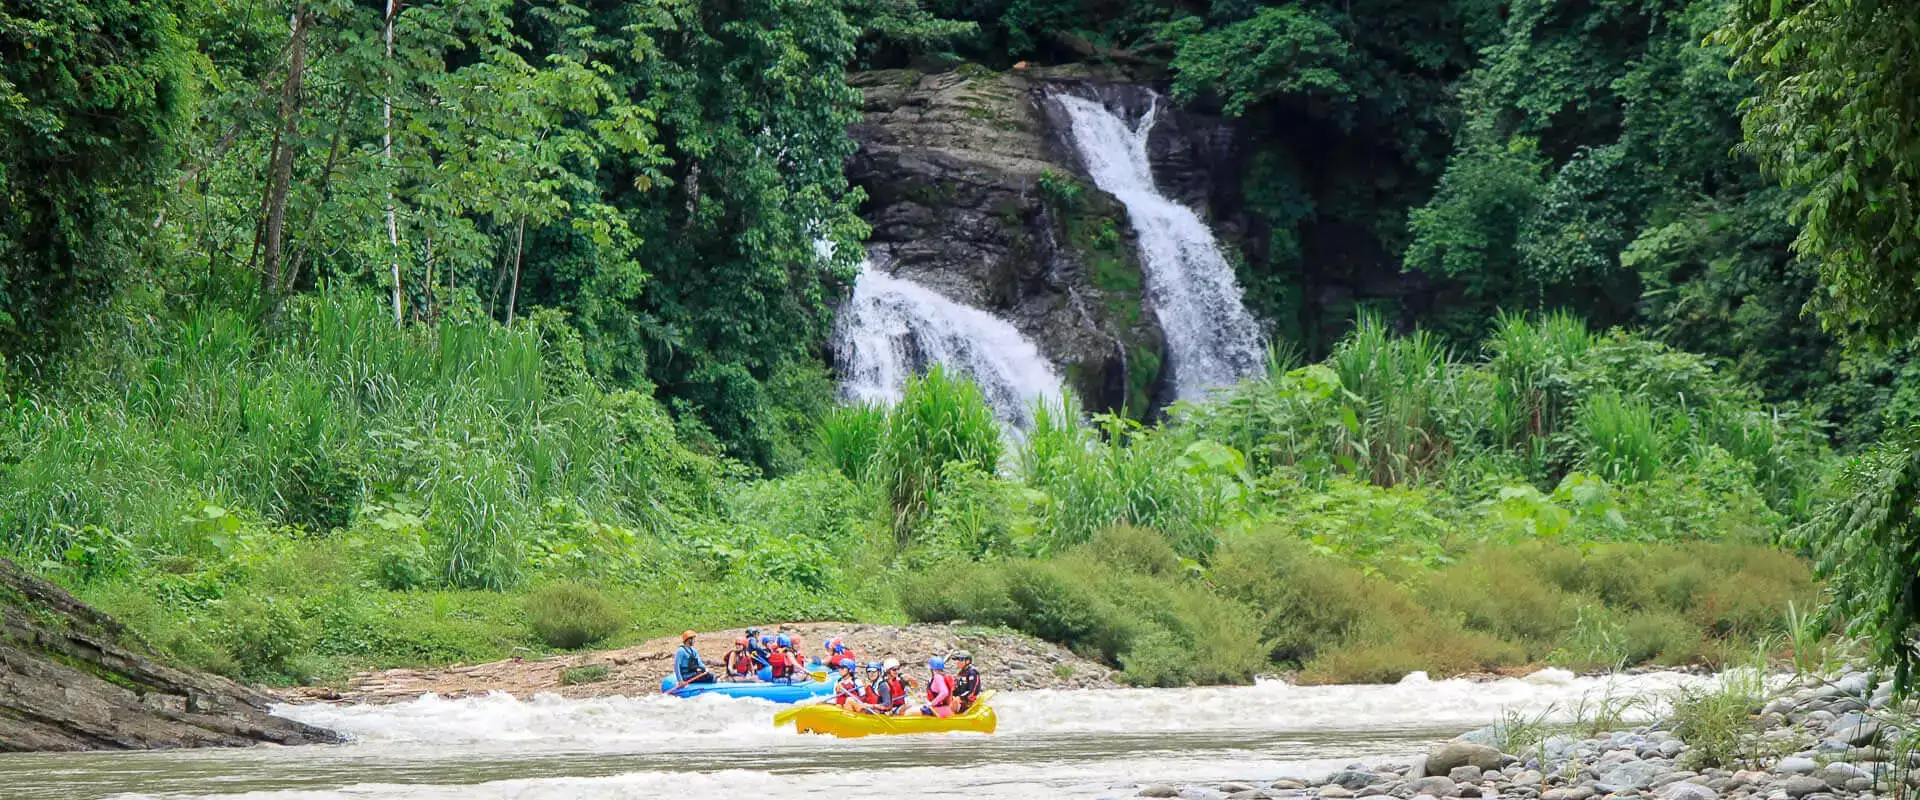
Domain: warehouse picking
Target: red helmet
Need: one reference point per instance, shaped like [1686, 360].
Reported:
[740, 642]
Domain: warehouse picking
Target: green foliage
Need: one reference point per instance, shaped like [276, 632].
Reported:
[1833, 115]
[1060, 190]
[1865, 541]
[940, 419]
[571, 616]
[93, 96]
[1290, 52]
[1720, 723]
[849, 437]
[586, 673]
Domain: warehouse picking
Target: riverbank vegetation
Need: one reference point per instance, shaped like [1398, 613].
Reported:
[337, 335]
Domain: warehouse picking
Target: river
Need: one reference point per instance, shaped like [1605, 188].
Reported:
[1050, 744]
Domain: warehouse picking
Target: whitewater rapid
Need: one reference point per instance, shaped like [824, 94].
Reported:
[1085, 744]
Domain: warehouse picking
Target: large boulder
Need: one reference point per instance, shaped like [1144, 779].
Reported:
[73, 679]
[1445, 757]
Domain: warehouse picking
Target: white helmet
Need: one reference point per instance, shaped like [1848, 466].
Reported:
[892, 663]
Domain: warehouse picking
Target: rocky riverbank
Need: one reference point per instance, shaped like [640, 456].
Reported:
[73, 679]
[1833, 740]
[1007, 661]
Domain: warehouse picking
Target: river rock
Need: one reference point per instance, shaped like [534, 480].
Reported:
[1466, 774]
[1800, 786]
[1287, 784]
[1855, 729]
[1443, 758]
[1855, 684]
[71, 678]
[1672, 748]
[1687, 790]
[1796, 765]
[1635, 774]
[1159, 790]
[1528, 777]
[1235, 787]
[1355, 779]
[1336, 792]
[1438, 786]
[1569, 793]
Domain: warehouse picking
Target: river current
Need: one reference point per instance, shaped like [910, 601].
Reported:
[1050, 744]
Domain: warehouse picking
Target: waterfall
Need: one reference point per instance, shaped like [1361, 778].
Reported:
[1212, 340]
[893, 327]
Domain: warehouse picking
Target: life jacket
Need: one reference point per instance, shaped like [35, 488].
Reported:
[896, 691]
[966, 689]
[782, 668]
[739, 662]
[848, 687]
[940, 689]
[869, 693]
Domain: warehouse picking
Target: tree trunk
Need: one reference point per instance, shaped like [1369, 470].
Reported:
[513, 294]
[386, 121]
[283, 160]
[433, 306]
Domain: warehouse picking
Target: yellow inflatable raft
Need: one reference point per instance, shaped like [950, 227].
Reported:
[831, 719]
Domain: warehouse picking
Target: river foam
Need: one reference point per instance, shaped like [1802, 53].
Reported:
[1085, 744]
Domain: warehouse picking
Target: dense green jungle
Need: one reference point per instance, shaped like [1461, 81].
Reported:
[338, 334]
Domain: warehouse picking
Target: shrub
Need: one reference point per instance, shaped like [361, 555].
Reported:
[1138, 550]
[1384, 657]
[263, 637]
[588, 673]
[1307, 601]
[568, 616]
[1720, 722]
[849, 438]
[1499, 590]
[939, 419]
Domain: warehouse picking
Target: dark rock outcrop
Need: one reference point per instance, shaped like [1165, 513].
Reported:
[952, 164]
[73, 679]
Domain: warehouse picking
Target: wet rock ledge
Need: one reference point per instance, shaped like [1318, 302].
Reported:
[1831, 741]
[73, 679]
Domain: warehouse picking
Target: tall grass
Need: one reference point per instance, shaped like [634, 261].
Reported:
[1620, 439]
[849, 437]
[163, 424]
[940, 419]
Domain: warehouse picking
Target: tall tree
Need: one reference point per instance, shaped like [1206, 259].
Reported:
[1839, 114]
[94, 96]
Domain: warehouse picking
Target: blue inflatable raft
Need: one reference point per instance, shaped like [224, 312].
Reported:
[778, 692]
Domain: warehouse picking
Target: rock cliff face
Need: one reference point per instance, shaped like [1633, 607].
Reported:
[72, 679]
[973, 189]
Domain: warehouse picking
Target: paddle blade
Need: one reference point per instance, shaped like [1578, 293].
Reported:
[784, 717]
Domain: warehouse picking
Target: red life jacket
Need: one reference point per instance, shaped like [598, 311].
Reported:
[739, 662]
[846, 688]
[897, 689]
[869, 694]
[940, 689]
[782, 668]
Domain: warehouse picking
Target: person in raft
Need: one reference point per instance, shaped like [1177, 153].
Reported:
[740, 662]
[781, 662]
[892, 690]
[847, 691]
[687, 666]
[940, 700]
[757, 645]
[966, 684]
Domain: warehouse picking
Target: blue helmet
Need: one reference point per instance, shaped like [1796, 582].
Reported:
[784, 641]
[873, 665]
[936, 664]
[766, 640]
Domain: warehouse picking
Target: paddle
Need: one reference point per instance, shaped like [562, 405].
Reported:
[787, 716]
[683, 684]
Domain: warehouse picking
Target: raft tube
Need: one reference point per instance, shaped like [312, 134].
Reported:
[833, 720]
[782, 692]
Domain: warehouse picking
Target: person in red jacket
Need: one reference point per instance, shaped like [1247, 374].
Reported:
[892, 689]
[847, 692]
[739, 662]
[781, 662]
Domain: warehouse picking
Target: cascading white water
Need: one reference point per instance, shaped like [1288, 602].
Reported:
[893, 327]
[1211, 338]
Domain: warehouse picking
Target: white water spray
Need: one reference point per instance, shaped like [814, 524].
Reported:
[892, 328]
[1211, 338]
